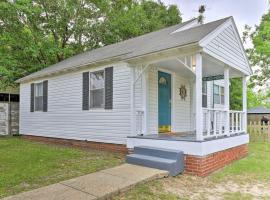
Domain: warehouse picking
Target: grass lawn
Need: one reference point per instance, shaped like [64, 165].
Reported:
[26, 165]
[246, 179]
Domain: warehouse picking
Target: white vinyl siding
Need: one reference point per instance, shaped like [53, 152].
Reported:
[227, 47]
[65, 117]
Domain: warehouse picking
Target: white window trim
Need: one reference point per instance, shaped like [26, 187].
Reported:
[101, 108]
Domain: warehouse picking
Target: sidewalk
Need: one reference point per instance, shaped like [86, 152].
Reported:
[99, 185]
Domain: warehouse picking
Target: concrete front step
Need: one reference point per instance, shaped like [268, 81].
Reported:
[164, 159]
[158, 152]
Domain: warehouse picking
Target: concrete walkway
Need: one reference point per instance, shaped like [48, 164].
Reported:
[99, 185]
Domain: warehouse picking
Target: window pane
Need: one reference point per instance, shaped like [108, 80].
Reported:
[222, 90]
[222, 99]
[204, 101]
[39, 90]
[96, 80]
[38, 103]
[204, 87]
[216, 89]
[97, 98]
[216, 99]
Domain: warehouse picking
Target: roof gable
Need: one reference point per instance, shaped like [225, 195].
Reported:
[225, 44]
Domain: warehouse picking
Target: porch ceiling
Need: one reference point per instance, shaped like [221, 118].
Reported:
[213, 67]
[173, 65]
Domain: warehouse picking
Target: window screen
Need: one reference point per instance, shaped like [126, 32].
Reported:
[97, 89]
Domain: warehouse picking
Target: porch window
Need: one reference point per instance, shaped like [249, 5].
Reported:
[218, 94]
[39, 96]
[97, 89]
[204, 94]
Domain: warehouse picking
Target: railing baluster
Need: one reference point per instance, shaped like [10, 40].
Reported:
[232, 122]
[215, 123]
[209, 123]
[220, 123]
[236, 121]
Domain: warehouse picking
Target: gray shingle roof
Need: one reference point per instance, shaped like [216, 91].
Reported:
[258, 110]
[145, 44]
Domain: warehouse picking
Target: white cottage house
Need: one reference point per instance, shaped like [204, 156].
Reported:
[167, 89]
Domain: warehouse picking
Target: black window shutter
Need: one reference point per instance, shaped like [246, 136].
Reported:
[85, 91]
[32, 96]
[109, 88]
[45, 96]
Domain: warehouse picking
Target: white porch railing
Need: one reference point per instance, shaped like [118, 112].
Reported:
[139, 121]
[236, 121]
[214, 122]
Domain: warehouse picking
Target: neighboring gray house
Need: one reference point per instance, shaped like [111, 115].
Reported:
[157, 83]
[257, 113]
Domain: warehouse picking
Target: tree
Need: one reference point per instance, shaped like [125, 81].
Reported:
[259, 55]
[236, 94]
[36, 33]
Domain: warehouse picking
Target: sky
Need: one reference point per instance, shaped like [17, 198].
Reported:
[244, 11]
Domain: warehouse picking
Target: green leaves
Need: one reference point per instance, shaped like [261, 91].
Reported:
[259, 56]
[36, 33]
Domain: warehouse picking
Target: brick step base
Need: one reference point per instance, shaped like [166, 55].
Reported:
[204, 165]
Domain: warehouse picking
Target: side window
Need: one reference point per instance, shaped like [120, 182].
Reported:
[204, 94]
[216, 94]
[39, 96]
[97, 89]
[222, 95]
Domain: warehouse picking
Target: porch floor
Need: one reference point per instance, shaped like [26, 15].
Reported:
[184, 136]
[179, 136]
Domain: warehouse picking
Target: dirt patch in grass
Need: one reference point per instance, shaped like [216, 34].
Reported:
[192, 187]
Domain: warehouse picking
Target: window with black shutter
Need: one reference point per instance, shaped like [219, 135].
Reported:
[39, 96]
[98, 89]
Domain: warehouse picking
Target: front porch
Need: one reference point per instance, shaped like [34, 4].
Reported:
[199, 121]
[198, 102]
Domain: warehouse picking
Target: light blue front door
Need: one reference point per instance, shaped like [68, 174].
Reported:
[164, 102]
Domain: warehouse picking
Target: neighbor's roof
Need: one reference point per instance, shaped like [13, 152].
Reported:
[258, 110]
[149, 43]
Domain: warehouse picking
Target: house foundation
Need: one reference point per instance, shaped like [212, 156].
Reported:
[204, 165]
[117, 148]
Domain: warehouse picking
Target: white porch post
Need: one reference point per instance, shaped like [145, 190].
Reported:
[199, 111]
[227, 100]
[132, 102]
[244, 85]
[145, 100]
